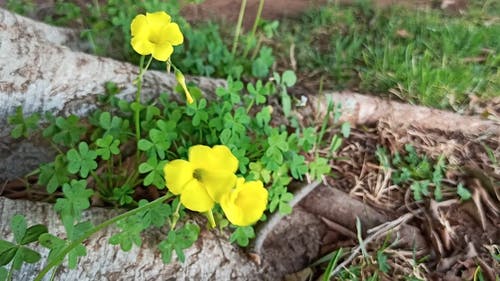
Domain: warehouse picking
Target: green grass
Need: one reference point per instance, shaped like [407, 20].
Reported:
[425, 57]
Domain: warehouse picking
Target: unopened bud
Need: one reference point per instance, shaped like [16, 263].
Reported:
[182, 81]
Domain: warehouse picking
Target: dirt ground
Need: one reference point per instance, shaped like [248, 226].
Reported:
[227, 10]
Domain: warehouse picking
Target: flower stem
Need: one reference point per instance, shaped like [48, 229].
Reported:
[142, 70]
[257, 17]
[210, 216]
[238, 26]
[60, 257]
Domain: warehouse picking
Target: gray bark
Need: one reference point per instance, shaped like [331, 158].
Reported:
[211, 258]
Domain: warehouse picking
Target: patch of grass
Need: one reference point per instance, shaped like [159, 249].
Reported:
[424, 57]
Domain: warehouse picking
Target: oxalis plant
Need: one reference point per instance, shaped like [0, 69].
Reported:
[222, 159]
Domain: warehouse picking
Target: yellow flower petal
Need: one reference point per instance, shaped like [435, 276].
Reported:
[142, 46]
[158, 18]
[139, 25]
[174, 34]
[245, 204]
[195, 197]
[217, 183]
[177, 174]
[162, 52]
[217, 158]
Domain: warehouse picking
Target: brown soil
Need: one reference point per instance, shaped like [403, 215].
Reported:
[227, 10]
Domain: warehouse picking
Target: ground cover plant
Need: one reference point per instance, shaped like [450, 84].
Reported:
[232, 151]
[124, 150]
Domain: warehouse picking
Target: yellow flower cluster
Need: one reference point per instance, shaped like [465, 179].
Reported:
[208, 177]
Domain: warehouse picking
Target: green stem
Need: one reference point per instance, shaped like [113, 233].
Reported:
[250, 105]
[100, 183]
[254, 27]
[210, 216]
[238, 26]
[175, 216]
[257, 17]
[11, 271]
[60, 257]
[142, 70]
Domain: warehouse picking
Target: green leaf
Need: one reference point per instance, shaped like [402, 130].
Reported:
[242, 235]
[261, 66]
[65, 131]
[107, 146]
[81, 161]
[26, 255]
[335, 143]
[76, 199]
[382, 262]
[420, 188]
[18, 225]
[144, 145]
[298, 166]
[123, 195]
[463, 192]
[7, 252]
[179, 240]
[8, 255]
[319, 167]
[286, 103]
[154, 170]
[345, 129]
[5, 245]
[3, 274]
[75, 254]
[156, 215]
[33, 233]
[289, 78]
[55, 174]
[280, 197]
[23, 126]
[130, 234]
[55, 244]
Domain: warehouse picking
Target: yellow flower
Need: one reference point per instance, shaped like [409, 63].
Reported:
[204, 179]
[154, 34]
[245, 204]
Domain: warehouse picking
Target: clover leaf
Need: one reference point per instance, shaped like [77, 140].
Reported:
[55, 174]
[76, 199]
[242, 235]
[65, 131]
[81, 160]
[23, 125]
[178, 240]
[154, 170]
[17, 252]
[107, 146]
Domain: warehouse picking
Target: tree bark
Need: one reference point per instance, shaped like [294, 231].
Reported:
[211, 258]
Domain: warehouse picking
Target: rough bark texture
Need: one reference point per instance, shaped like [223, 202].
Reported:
[293, 243]
[211, 258]
[363, 109]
